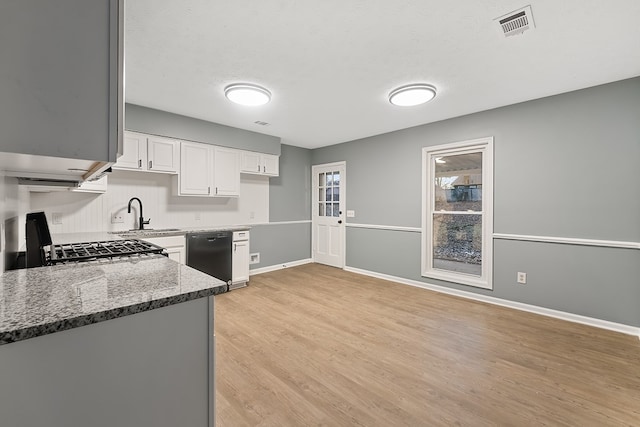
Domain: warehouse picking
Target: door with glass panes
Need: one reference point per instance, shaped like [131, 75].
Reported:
[327, 213]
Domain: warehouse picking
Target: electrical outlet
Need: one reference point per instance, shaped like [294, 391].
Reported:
[117, 218]
[351, 214]
[522, 277]
[254, 258]
[56, 218]
[252, 215]
[197, 216]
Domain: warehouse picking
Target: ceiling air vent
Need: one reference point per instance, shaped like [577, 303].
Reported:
[258, 122]
[516, 22]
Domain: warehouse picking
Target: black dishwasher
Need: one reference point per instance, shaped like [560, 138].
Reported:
[210, 252]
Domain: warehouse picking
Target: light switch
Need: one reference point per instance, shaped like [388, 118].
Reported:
[351, 214]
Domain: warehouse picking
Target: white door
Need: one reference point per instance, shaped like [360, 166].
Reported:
[328, 237]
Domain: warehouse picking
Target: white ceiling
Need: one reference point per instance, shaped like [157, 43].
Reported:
[330, 64]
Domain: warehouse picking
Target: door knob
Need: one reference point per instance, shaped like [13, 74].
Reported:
[339, 221]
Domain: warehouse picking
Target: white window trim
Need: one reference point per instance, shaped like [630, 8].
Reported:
[429, 154]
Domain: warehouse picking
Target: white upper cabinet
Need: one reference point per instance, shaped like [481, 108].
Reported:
[162, 154]
[226, 172]
[270, 165]
[207, 170]
[194, 178]
[134, 152]
[259, 163]
[61, 85]
[149, 153]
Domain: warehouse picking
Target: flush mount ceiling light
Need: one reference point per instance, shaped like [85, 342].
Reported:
[247, 94]
[413, 94]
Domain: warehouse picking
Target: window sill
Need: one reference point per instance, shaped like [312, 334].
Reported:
[462, 279]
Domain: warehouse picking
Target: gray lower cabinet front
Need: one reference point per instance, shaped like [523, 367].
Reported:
[153, 368]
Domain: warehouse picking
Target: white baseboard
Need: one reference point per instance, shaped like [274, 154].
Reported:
[279, 266]
[576, 318]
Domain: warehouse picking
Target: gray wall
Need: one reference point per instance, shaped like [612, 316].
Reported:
[280, 243]
[157, 122]
[290, 193]
[289, 200]
[565, 166]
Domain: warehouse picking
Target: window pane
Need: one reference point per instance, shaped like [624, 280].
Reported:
[336, 194]
[328, 209]
[329, 179]
[321, 180]
[457, 243]
[336, 178]
[329, 193]
[458, 183]
[321, 209]
[321, 194]
[336, 209]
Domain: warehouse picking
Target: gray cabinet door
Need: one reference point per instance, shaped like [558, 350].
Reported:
[61, 78]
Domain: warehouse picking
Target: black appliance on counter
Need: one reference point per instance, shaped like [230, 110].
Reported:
[38, 237]
[41, 251]
[210, 252]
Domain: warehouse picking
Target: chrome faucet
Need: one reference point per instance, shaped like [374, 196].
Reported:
[141, 220]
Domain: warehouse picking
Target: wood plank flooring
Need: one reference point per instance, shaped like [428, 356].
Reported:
[318, 346]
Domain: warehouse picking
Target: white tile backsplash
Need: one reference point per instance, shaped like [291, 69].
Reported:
[83, 212]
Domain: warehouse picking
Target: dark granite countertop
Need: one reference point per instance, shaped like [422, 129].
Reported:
[44, 300]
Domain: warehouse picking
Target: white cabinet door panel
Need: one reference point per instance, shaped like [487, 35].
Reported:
[240, 262]
[251, 162]
[270, 165]
[195, 167]
[226, 172]
[132, 152]
[163, 154]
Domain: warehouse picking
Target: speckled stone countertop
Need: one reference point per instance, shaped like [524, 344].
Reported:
[141, 234]
[44, 300]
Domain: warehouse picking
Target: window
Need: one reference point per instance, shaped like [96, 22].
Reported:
[457, 225]
[329, 194]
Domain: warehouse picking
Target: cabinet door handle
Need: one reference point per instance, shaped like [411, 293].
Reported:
[216, 190]
[208, 190]
[258, 168]
[150, 164]
[235, 247]
[264, 169]
[139, 163]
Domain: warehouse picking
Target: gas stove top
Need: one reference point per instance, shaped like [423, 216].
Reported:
[88, 251]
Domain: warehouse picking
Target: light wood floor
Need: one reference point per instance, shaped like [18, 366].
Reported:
[314, 345]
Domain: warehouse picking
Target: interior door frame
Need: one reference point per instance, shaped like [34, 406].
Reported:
[343, 203]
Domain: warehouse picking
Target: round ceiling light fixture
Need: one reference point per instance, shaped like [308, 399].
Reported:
[413, 94]
[247, 94]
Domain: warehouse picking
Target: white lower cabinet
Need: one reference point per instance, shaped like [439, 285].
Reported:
[240, 258]
[174, 245]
